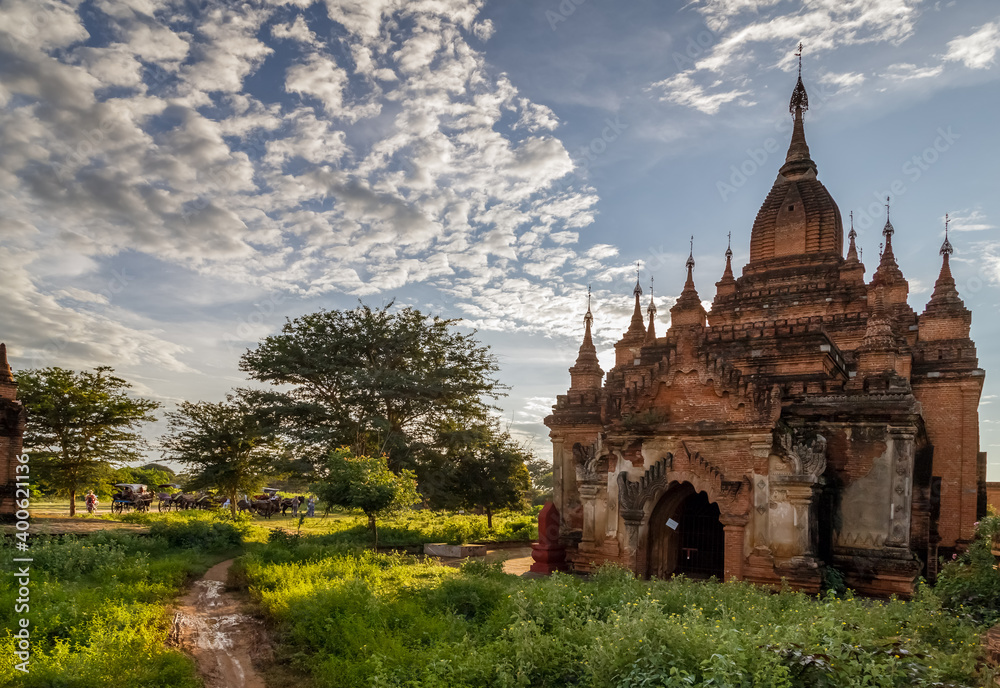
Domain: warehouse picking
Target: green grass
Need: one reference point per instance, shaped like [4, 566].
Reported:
[99, 608]
[351, 528]
[356, 618]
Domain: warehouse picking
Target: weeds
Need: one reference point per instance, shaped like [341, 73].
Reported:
[366, 619]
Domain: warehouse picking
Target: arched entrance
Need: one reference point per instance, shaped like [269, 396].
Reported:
[686, 535]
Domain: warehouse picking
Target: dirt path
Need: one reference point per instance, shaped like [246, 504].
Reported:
[210, 627]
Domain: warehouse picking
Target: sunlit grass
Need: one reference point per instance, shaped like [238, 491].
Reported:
[350, 618]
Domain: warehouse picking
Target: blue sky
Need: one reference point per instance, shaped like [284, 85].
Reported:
[176, 178]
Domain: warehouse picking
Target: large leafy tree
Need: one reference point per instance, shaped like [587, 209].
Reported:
[231, 445]
[479, 467]
[380, 381]
[80, 424]
[366, 483]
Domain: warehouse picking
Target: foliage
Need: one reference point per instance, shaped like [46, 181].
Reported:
[79, 425]
[151, 475]
[542, 483]
[98, 614]
[419, 527]
[364, 619]
[476, 467]
[376, 380]
[366, 483]
[971, 583]
[230, 445]
[205, 531]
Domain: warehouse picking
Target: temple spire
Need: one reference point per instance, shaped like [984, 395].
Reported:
[797, 161]
[636, 328]
[888, 230]
[688, 309]
[651, 313]
[888, 270]
[586, 373]
[727, 274]
[945, 291]
[6, 374]
[946, 248]
[852, 251]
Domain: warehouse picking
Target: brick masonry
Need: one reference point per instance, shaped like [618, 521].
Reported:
[830, 424]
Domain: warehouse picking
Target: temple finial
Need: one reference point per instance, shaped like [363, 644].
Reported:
[6, 374]
[946, 247]
[690, 260]
[651, 310]
[852, 249]
[888, 230]
[800, 101]
[638, 289]
[729, 246]
[589, 317]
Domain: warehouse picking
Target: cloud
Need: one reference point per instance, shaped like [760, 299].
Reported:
[844, 80]
[969, 221]
[296, 30]
[977, 50]
[754, 34]
[681, 89]
[906, 72]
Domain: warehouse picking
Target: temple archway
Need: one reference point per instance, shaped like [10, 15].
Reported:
[686, 535]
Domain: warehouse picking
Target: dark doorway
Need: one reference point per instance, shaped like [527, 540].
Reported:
[686, 536]
[702, 539]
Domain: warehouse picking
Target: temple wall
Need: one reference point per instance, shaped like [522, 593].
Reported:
[953, 429]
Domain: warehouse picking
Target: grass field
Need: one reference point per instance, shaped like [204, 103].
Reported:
[349, 618]
[341, 615]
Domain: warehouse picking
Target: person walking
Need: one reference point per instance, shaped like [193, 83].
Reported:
[91, 502]
[311, 507]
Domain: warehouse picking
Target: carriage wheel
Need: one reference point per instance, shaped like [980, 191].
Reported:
[116, 507]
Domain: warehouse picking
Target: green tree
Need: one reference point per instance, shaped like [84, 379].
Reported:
[366, 483]
[231, 445]
[490, 472]
[79, 425]
[151, 474]
[541, 479]
[380, 381]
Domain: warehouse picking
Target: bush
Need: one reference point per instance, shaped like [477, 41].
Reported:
[98, 612]
[366, 619]
[418, 527]
[971, 584]
[198, 529]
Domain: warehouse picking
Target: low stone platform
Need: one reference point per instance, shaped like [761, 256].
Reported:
[440, 549]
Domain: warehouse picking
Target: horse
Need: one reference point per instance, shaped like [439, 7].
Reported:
[265, 507]
[293, 503]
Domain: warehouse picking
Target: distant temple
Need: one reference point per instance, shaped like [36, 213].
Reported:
[12, 420]
[810, 419]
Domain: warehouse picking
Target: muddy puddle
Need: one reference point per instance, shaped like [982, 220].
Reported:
[210, 625]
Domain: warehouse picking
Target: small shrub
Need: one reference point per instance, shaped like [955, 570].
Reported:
[971, 584]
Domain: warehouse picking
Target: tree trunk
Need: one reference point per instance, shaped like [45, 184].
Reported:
[374, 529]
[72, 503]
[489, 519]
[232, 505]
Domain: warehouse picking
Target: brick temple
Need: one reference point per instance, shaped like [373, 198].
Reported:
[810, 419]
[12, 421]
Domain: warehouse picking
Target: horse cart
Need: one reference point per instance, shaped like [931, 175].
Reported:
[130, 496]
[167, 500]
